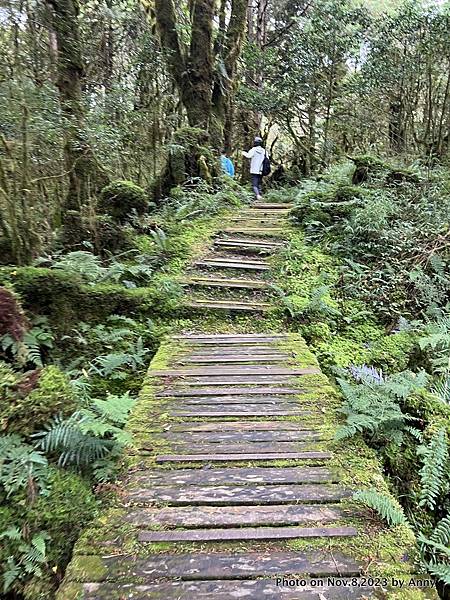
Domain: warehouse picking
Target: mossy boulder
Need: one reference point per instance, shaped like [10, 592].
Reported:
[122, 200]
[369, 167]
[35, 399]
[327, 203]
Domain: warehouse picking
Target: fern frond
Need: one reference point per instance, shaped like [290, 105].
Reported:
[386, 507]
[433, 472]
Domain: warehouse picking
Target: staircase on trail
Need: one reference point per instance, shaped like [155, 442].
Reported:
[239, 260]
[234, 482]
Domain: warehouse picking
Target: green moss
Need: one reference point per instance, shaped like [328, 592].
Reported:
[121, 199]
[25, 413]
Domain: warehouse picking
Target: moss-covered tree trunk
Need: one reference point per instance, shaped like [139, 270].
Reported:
[205, 69]
[86, 176]
[228, 50]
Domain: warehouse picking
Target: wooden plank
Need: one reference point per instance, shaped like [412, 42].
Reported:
[238, 358]
[239, 426]
[228, 264]
[222, 305]
[254, 230]
[259, 410]
[224, 565]
[224, 283]
[272, 205]
[237, 516]
[217, 437]
[249, 380]
[237, 370]
[231, 391]
[233, 476]
[257, 589]
[221, 400]
[237, 351]
[229, 336]
[245, 533]
[252, 241]
[242, 447]
[165, 458]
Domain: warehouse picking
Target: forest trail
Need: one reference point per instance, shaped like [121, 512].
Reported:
[235, 479]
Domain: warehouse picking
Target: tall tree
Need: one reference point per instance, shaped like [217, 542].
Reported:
[204, 67]
[85, 174]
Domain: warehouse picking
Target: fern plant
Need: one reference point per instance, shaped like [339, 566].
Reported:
[89, 437]
[21, 466]
[31, 347]
[386, 507]
[372, 406]
[434, 474]
[28, 559]
[435, 551]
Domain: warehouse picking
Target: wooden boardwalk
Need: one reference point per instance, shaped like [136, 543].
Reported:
[234, 483]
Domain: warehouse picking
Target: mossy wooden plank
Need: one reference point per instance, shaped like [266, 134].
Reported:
[282, 400]
[223, 590]
[235, 516]
[237, 358]
[230, 306]
[245, 533]
[254, 411]
[238, 426]
[181, 458]
[237, 370]
[230, 391]
[234, 475]
[225, 283]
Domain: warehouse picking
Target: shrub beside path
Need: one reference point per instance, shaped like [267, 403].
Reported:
[234, 487]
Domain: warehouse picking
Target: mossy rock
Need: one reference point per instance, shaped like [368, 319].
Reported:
[369, 167]
[122, 199]
[328, 203]
[111, 236]
[27, 412]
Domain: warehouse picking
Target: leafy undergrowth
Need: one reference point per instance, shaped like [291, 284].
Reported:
[364, 279]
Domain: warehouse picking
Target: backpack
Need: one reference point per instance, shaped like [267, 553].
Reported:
[266, 167]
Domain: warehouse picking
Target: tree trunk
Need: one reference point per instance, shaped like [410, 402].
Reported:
[86, 177]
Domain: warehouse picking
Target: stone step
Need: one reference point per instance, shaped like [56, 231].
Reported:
[232, 306]
[225, 565]
[226, 283]
[233, 476]
[208, 458]
[235, 516]
[258, 589]
[230, 263]
[245, 533]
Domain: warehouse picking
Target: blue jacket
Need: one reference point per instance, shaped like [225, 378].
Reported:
[227, 165]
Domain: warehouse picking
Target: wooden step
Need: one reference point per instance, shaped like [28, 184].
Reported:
[272, 205]
[232, 306]
[248, 400]
[237, 516]
[238, 358]
[226, 565]
[245, 533]
[181, 458]
[235, 391]
[265, 242]
[259, 248]
[253, 337]
[269, 231]
[238, 426]
[226, 283]
[241, 447]
[237, 370]
[258, 589]
[261, 410]
[233, 476]
[224, 263]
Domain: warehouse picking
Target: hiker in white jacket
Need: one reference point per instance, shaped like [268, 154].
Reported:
[257, 155]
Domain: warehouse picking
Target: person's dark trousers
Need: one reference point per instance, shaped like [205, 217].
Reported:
[257, 184]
